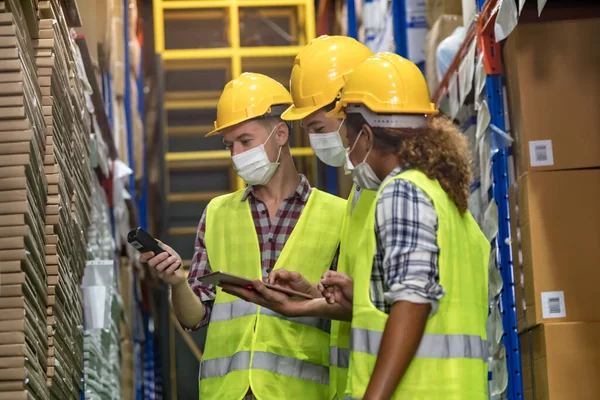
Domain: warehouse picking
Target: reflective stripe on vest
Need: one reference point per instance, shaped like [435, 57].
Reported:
[431, 346]
[277, 364]
[232, 310]
[339, 357]
[217, 367]
[241, 308]
[319, 323]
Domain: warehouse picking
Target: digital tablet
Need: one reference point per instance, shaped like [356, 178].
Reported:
[217, 277]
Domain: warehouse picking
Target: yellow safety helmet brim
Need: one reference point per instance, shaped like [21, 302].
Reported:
[247, 97]
[294, 113]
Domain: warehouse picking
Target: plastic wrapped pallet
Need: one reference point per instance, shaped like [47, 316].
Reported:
[102, 343]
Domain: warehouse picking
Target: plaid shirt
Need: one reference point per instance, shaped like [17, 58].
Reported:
[271, 239]
[405, 266]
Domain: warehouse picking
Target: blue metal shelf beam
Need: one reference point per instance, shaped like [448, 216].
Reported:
[400, 28]
[494, 90]
[143, 197]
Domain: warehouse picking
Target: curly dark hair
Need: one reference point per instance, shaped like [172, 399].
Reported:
[440, 151]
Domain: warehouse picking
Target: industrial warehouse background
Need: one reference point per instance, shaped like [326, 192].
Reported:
[105, 107]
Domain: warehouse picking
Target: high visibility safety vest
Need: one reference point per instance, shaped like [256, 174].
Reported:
[339, 356]
[249, 346]
[451, 361]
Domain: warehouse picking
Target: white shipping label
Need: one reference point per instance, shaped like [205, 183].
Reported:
[540, 153]
[553, 305]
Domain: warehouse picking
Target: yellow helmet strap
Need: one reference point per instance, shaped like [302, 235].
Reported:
[376, 120]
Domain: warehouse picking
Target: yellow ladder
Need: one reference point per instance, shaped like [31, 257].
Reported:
[204, 44]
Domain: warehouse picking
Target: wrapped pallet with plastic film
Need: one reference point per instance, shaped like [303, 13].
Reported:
[102, 306]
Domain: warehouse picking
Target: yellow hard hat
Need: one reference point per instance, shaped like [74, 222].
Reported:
[319, 73]
[386, 84]
[249, 96]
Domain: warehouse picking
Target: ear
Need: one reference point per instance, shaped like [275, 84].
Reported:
[281, 133]
[368, 135]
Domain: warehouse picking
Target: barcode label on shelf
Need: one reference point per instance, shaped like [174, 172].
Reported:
[553, 305]
[540, 153]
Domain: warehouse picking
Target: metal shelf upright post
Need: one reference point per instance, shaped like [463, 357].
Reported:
[143, 196]
[127, 101]
[399, 18]
[494, 91]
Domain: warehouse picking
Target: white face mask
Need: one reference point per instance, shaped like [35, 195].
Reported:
[254, 166]
[362, 174]
[329, 147]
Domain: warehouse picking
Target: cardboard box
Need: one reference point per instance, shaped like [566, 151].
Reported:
[554, 94]
[437, 8]
[559, 221]
[561, 361]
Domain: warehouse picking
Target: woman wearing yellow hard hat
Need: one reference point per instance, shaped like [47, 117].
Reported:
[419, 313]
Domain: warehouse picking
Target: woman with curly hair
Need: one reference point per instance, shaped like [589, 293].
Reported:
[419, 314]
[418, 311]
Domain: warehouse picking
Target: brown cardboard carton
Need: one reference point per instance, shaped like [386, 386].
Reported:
[437, 8]
[554, 94]
[559, 222]
[561, 361]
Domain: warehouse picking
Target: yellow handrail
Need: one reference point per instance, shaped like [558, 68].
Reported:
[224, 154]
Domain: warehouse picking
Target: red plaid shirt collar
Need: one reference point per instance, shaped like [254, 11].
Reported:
[302, 192]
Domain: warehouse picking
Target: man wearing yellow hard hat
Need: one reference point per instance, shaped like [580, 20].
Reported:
[277, 220]
[319, 73]
[419, 310]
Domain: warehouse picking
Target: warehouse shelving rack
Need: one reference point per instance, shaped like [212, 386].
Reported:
[482, 29]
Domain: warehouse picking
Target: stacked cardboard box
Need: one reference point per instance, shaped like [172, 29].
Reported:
[554, 208]
[23, 341]
[67, 211]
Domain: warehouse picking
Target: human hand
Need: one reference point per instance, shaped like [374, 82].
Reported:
[337, 287]
[167, 266]
[293, 280]
[261, 295]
